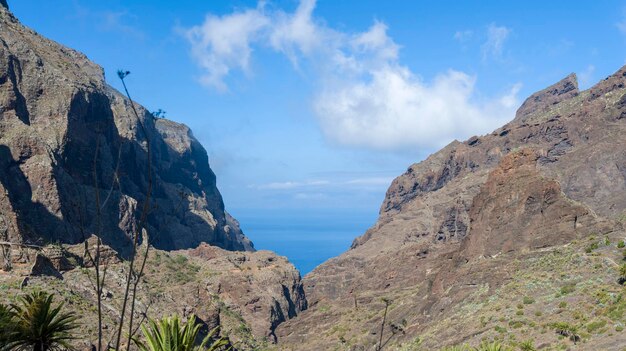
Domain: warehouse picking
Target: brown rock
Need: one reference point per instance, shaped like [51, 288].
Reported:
[461, 223]
[264, 288]
[566, 89]
[43, 266]
[56, 115]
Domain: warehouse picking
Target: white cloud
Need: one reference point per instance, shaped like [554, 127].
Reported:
[621, 25]
[365, 97]
[296, 33]
[396, 109]
[496, 36]
[463, 35]
[291, 185]
[309, 184]
[310, 196]
[585, 77]
[223, 43]
[373, 181]
[119, 21]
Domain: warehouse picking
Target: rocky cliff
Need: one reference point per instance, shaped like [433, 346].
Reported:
[65, 133]
[530, 214]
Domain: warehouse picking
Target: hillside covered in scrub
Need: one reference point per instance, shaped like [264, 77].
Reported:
[80, 161]
[514, 238]
[509, 236]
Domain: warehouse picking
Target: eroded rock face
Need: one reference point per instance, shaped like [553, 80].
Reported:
[67, 138]
[264, 288]
[518, 209]
[542, 100]
[61, 124]
[460, 223]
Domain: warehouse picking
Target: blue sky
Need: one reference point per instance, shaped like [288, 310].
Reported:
[307, 106]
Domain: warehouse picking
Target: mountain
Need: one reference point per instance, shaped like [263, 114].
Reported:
[69, 141]
[58, 114]
[503, 236]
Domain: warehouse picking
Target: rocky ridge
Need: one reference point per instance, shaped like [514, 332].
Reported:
[65, 133]
[460, 230]
[57, 114]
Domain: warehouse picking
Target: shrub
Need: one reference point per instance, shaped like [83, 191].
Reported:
[621, 244]
[528, 300]
[527, 345]
[568, 289]
[37, 324]
[491, 346]
[7, 323]
[456, 348]
[567, 330]
[622, 274]
[168, 334]
[595, 326]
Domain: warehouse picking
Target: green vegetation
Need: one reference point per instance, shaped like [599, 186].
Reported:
[595, 326]
[6, 325]
[622, 274]
[527, 345]
[592, 247]
[485, 346]
[567, 330]
[528, 300]
[621, 244]
[568, 289]
[34, 323]
[456, 348]
[168, 334]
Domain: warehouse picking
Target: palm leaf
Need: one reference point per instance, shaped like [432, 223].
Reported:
[39, 325]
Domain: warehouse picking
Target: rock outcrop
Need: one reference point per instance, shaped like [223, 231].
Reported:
[460, 227]
[263, 288]
[64, 133]
[68, 139]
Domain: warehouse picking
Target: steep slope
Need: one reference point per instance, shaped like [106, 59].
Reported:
[57, 115]
[63, 131]
[246, 294]
[460, 227]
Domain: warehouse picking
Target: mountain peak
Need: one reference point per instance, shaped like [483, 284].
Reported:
[565, 89]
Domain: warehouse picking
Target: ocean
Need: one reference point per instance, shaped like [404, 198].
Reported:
[306, 238]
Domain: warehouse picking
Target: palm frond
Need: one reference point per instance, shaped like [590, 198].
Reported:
[37, 324]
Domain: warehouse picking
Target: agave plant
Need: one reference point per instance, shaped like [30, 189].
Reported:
[491, 346]
[527, 345]
[168, 334]
[455, 348]
[37, 325]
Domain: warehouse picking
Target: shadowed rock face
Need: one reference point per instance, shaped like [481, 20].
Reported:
[67, 139]
[468, 217]
[62, 132]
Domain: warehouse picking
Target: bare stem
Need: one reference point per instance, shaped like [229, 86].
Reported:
[138, 231]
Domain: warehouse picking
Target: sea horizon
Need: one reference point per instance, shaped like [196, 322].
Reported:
[306, 238]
